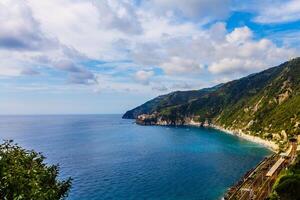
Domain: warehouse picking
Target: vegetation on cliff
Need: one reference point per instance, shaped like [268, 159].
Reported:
[265, 104]
[24, 175]
[287, 186]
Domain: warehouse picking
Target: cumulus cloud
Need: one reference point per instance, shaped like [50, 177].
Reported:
[278, 11]
[119, 15]
[217, 31]
[143, 76]
[19, 30]
[83, 76]
[241, 54]
[90, 27]
[233, 53]
[177, 65]
[147, 54]
[204, 10]
[167, 36]
[77, 74]
[24, 46]
[239, 35]
[234, 65]
[66, 65]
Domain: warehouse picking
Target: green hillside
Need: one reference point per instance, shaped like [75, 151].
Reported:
[266, 104]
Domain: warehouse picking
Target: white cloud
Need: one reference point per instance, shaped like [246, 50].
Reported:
[93, 28]
[234, 65]
[119, 15]
[143, 76]
[200, 10]
[166, 35]
[77, 74]
[66, 65]
[29, 72]
[217, 31]
[235, 54]
[278, 11]
[240, 54]
[10, 71]
[13, 64]
[288, 38]
[177, 65]
[18, 28]
[239, 35]
[83, 76]
[25, 46]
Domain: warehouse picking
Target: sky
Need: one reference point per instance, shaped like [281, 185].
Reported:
[108, 56]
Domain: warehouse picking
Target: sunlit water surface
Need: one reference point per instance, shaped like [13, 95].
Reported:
[112, 158]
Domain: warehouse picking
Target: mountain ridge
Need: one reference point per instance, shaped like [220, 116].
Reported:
[265, 104]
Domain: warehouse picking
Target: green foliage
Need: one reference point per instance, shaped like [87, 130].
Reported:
[24, 176]
[164, 101]
[287, 186]
[264, 104]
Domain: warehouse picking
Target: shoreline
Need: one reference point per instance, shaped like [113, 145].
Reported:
[255, 139]
[238, 133]
[272, 146]
[266, 143]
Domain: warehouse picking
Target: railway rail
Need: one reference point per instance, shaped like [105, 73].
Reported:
[257, 183]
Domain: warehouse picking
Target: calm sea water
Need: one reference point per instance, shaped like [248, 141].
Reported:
[112, 158]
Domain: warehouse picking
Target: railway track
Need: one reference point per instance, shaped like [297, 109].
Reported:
[257, 183]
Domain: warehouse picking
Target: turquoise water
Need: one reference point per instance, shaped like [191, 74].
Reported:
[112, 158]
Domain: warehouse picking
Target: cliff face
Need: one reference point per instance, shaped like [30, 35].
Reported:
[266, 104]
[157, 119]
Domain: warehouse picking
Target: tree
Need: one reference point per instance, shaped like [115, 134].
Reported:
[24, 175]
[288, 184]
[288, 187]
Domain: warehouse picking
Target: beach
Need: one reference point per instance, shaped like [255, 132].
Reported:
[268, 144]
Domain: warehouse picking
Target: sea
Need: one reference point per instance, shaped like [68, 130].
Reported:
[113, 158]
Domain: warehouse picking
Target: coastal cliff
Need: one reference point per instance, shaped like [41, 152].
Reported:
[152, 119]
[264, 105]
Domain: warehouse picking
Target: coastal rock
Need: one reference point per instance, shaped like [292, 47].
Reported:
[261, 104]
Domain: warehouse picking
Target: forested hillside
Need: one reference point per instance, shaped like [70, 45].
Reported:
[265, 104]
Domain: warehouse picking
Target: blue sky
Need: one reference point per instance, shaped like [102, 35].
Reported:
[107, 56]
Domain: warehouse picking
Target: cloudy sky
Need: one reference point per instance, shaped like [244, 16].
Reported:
[106, 56]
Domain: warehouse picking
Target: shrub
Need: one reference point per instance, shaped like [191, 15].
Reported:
[24, 175]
